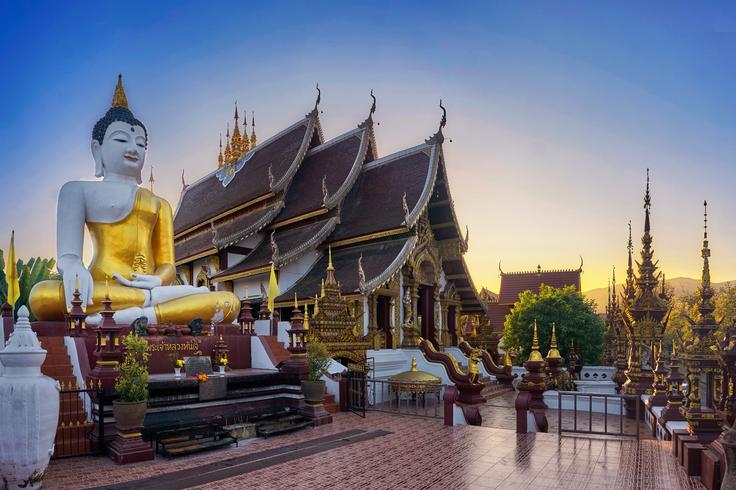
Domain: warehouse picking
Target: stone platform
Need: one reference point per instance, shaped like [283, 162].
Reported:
[391, 451]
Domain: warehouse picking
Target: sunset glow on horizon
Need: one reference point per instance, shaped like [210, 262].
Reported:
[553, 119]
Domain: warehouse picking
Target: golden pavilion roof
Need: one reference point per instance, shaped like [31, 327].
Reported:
[413, 375]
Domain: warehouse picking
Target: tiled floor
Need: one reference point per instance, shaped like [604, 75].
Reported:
[417, 453]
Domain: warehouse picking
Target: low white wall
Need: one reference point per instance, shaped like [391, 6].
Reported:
[259, 358]
[613, 405]
[262, 327]
[282, 333]
[601, 387]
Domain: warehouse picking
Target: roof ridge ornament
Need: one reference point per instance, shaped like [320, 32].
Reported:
[319, 98]
[369, 120]
[405, 207]
[274, 249]
[361, 274]
[438, 138]
[325, 193]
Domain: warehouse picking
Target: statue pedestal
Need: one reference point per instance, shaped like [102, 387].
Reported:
[317, 413]
[129, 447]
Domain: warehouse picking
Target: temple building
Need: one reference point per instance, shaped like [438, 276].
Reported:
[386, 226]
[515, 283]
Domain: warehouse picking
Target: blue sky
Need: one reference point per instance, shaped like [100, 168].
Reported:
[555, 110]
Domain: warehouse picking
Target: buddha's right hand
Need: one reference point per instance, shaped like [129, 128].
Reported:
[76, 276]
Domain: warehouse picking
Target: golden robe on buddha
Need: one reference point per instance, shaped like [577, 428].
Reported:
[140, 243]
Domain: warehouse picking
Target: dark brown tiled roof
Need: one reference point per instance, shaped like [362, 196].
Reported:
[466, 288]
[287, 241]
[375, 202]
[497, 315]
[333, 160]
[377, 257]
[208, 198]
[512, 285]
[243, 225]
[194, 245]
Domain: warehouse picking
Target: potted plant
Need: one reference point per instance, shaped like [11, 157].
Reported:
[318, 359]
[131, 384]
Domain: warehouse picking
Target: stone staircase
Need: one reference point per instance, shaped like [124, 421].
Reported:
[494, 389]
[71, 433]
[277, 349]
[330, 404]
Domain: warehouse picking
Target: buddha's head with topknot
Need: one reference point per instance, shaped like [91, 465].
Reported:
[119, 140]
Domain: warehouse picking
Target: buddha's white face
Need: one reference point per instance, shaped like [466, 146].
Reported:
[122, 152]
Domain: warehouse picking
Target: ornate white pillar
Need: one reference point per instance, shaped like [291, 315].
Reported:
[29, 409]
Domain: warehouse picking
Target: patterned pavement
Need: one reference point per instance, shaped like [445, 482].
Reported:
[409, 452]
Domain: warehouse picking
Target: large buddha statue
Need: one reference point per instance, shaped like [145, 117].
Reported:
[133, 238]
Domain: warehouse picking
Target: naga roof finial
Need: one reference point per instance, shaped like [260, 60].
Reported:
[118, 98]
[443, 121]
[319, 98]
[373, 107]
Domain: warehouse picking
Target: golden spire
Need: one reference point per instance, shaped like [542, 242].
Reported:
[245, 143]
[236, 145]
[253, 130]
[535, 355]
[150, 179]
[316, 305]
[306, 317]
[220, 158]
[228, 148]
[246, 293]
[118, 98]
[322, 289]
[330, 280]
[296, 305]
[553, 353]
[413, 364]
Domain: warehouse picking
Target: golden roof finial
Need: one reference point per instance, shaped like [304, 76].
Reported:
[253, 130]
[228, 148]
[306, 317]
[246, 293]
[535, 355]
[329, 260]
[296, 305]
[316, 305]
[107, 287]
[76, 282]
[245, 143]
[414, 364]
[236, 143]
[553, 353]
[220, 158]
[118, 98]
[322, 289]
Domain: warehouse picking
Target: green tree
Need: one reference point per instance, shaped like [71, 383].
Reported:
[686, 305]
[574, 316]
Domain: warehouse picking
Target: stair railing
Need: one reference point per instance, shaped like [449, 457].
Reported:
[502, 373]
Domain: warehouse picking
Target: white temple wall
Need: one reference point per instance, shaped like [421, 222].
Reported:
[293, 271]
[253, 284]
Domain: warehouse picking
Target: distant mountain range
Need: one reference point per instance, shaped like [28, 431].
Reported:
[681, 286]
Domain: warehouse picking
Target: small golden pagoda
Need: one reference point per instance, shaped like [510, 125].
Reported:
[414, 381]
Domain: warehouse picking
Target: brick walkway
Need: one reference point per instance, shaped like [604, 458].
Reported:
[400, 452]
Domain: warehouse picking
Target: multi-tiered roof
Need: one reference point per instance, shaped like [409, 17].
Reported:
[303, 194]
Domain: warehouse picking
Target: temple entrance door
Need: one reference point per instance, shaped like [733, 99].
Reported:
[425, 307]
[451, 324]
[383, 318]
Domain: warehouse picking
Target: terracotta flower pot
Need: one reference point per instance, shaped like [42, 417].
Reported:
[129, 415]
[314, 391]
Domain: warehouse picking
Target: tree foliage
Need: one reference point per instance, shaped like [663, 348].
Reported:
[574, 316]
[686, 305]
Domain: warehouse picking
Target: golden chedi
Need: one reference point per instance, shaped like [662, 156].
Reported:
[132, 236]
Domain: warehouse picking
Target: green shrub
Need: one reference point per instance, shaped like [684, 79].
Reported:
[318, 358]
[132, 382]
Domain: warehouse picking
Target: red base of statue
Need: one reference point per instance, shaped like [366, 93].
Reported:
[317, 413]
[129, 447]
